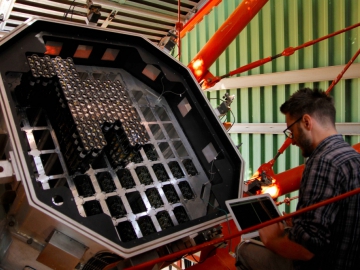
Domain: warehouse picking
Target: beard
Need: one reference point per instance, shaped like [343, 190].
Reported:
[304, 143]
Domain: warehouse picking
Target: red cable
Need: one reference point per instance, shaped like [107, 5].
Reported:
[287, 52]
[179, 30]
[334, 82]
[342, 72]
[326, 37]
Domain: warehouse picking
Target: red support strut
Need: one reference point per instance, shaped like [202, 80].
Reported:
[224, 36]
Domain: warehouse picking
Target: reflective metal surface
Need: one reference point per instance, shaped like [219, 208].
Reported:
[167, 202]
[174, 186]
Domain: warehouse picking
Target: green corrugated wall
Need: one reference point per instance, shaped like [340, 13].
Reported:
[281, 24]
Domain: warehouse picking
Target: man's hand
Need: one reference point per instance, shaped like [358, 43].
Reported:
[275, 239]
[271, 232]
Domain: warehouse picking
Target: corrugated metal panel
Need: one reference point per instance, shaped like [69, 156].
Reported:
[281, 24]
[152, 19]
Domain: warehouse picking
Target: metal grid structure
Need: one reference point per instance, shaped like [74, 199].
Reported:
[174, 186]
[157, 190]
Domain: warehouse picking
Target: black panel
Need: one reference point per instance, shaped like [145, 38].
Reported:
[200, 126]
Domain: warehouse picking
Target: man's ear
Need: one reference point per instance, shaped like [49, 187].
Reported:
[308, 121]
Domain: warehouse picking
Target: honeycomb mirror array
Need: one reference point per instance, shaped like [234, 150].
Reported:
[108, 151]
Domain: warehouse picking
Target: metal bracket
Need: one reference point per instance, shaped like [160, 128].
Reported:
[6, 172]
[9, 169]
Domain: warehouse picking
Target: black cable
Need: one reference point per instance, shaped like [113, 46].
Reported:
[212, 174]
[177, 45]
[227, 222]
[66, 13]
[225, 115]
[164, 92]
[72, 12]
[217, 99]
[234, 119]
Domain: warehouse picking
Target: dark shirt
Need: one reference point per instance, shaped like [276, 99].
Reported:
[331, 232]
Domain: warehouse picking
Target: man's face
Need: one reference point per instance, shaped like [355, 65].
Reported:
[300, 137]
[303, 142]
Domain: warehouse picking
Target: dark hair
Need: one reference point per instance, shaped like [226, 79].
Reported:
[313, 102]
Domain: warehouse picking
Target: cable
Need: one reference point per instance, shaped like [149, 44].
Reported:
[226, 119]
[67, 12]
[164, 92]
[227, 221]
[225, 114]
[287, 200]
[178, 55]
[178, 30]
[72, 12]
[234, 119]
[217, 99]
[215, 247]
[212, 174]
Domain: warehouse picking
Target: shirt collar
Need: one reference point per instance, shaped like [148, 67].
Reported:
[327, 142]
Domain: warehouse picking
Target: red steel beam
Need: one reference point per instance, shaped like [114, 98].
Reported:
[289, 180]
[231, 28]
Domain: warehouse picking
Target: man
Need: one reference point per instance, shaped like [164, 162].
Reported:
[327, 237]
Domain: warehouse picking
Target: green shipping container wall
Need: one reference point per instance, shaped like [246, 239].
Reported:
[281, 24]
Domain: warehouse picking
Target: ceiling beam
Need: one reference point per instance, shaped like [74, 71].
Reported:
[148, 33]
[5, 9]
[173, 5]
[136, 11]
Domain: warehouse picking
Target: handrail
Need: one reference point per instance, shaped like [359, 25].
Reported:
[179, 254]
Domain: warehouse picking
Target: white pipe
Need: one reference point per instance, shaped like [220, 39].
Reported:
[278, 128]
[288, 77]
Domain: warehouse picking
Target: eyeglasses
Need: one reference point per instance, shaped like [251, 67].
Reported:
[288, 132]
